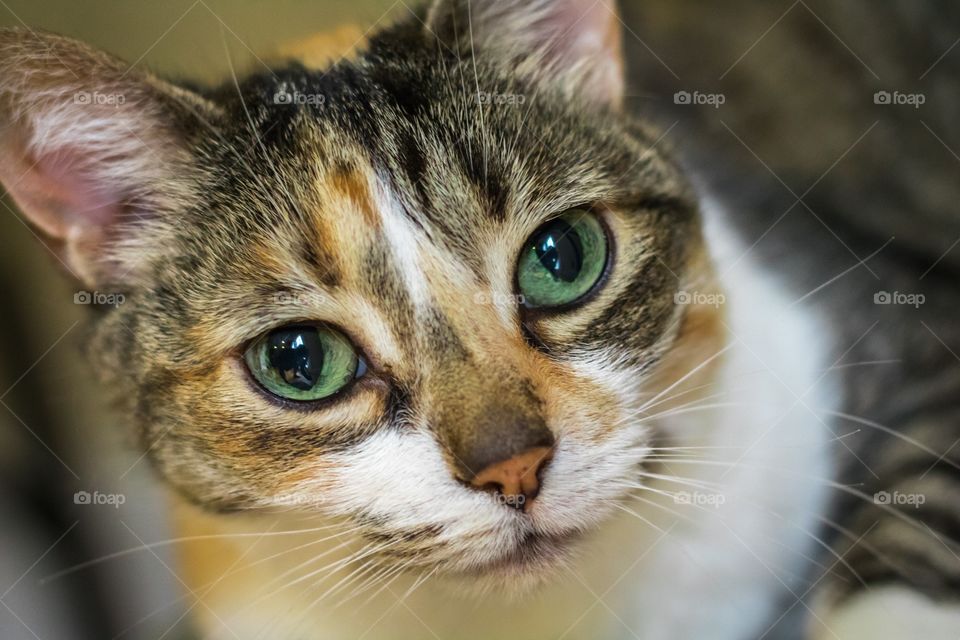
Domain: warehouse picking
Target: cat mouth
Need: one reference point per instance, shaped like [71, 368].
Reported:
[535, 554]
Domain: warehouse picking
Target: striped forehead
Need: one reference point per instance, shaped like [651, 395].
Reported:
[366, 234]
[386, 257]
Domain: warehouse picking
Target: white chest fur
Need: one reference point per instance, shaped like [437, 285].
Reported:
[751, 509]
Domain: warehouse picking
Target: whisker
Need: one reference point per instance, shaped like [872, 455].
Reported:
[421, 579]
[172, 541]
[391, 572]
[696, 484]
[896, 434]
[819, 541]
[743, 447]
[332, 567]
[690, 373]
[639, 517]
[832, 484]
[643, 409]
[686, 518]
[370, 564]
[328, 570]
[306, 562]
[691, 409]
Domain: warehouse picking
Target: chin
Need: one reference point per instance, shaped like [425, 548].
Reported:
[528, 566]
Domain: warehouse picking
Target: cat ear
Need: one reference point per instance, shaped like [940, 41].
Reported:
[90, 149]
[574, 43]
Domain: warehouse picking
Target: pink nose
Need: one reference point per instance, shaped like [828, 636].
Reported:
[517, 479]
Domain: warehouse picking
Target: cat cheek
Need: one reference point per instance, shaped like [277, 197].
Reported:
[585, 397]
[390, 469]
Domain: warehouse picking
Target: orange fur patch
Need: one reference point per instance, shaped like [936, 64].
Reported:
[353, 186]
[321, 50]
[702, 334]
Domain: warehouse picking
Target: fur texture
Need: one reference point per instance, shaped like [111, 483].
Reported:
[389, 194]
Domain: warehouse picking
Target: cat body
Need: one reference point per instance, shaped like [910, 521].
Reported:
[439, 339]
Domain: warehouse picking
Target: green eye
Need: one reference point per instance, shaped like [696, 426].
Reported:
[303, 362]
[562, 260]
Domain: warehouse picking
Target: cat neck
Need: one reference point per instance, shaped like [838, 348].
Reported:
[743, 483]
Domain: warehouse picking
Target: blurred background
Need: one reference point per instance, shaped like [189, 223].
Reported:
[59, 442]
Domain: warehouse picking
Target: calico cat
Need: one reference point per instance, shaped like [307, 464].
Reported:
[443, 340]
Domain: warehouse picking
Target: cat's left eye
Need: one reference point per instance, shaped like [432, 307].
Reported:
[563, 260]
[303, 362]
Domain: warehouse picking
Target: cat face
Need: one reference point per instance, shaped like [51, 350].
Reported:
[437, 288]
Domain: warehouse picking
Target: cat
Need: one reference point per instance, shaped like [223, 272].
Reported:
[444, 339]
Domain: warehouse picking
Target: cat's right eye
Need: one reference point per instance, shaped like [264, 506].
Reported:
[564, 260]
[303, 362]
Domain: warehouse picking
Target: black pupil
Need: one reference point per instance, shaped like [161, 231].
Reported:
[297, 355]
[559, 249]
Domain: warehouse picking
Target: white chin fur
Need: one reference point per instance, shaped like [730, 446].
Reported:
[401, 480]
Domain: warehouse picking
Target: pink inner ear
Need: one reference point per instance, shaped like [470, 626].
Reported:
[572, 44]
[58, 194]
[584, 32]
[587, 23]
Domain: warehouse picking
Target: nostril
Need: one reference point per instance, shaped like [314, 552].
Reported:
[516, 480]
[493, 487]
